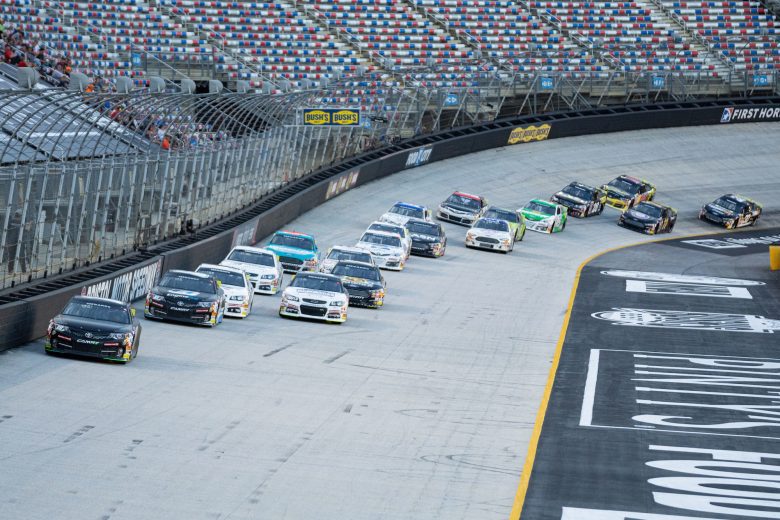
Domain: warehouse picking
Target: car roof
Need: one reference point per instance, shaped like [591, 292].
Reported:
[388, 224]
[581, 185]
[312, 274]
[191, 273]
[410, 206]
[355, 262]
[629, 178]
[294, 234]
[348, 249]
[467, 195]
[98, 299]
[543, 203]
[253, 249]
[381, 233]
[422, 221]
[496, 208]
[492, 220]
[225, 268]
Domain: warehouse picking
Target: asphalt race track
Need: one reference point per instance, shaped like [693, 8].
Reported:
[421, 410]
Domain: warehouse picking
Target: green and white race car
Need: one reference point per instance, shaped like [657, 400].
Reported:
[544, 216]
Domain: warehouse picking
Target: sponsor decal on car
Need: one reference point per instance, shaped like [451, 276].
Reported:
[525, 134]
[731, 114]
[419, 156]
[331, 117]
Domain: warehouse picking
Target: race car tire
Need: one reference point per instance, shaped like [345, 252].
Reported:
[753, 221]
[522, 235]
[563, 226]
[657, 229]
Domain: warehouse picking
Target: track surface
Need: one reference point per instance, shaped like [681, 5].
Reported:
[423, 409]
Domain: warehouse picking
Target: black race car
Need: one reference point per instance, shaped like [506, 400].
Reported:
[186, 296]
[462, 208]
[649, 217]
[364, 283]
[581, 199]
[731, 211]
[428, 238]
[95, 327]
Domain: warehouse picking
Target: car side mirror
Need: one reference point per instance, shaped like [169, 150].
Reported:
[132, 313]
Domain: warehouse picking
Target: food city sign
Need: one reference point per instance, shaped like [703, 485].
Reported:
[734, 114]
[525, 134]
[331, 117]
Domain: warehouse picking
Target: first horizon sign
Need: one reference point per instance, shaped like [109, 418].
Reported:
[331, 117]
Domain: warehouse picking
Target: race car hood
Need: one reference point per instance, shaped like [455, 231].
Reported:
[99, 326]
[250, 268]
[185, 295]
[363, 283]
[456, 208]
[394, 218]
[638, 215]
[576, 200]
[314, 294]
[535, 215]
[719, 210]
[381, 250]
[232, 290]
[294, 252]
[491, 233]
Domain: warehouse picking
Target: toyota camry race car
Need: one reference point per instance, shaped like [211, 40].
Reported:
[581, 200]
[400, 230]
[624, 191]
[262, 265]
[544, 216]
[386, 249]
[363, 282]
[491, 233]
[337, 253]
[95, 327]
[401, 212]
[318, 296]
[186, 296]
[428, 238]
[297, 251]
[462, 208]
[731, 211]
[238, 289]
[515, 220]
[649, 217]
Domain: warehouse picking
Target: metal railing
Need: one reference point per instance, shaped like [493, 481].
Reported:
[120, 172]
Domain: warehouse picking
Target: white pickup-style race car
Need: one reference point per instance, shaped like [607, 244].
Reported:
[263, 267]
[401, 212]
[387, 249]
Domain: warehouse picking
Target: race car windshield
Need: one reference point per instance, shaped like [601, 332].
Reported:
[293, 241]
[317, 283]
[540, 208]
[624, 185]
[349, 255]
[357, 271]
[386, 228]
[501, 214]
[226, 277]
[188, 283]
[496, 225]
[384, 240]
[97, 311]
[250, 257]
[648, 209]
[423, 228]
[577, 192]
[406, 211]
[466, 202]
[728, 204]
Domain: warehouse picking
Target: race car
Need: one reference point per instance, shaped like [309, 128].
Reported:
[428, 238]
[624, 191]
[239, 293]
[515, 220]
[318, 296]
[401, 212]
[544, 216]
[186, 296]
[649, 217]
[491, 233]
[731, 211]
[462, 208]
[386, 249]
[297, 251]
[337, 253]
[262, 265]
[581, 200]
[400, 230]
[95, 327]
[363, 282]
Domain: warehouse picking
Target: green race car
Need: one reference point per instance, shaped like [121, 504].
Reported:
[514, 218]
[544, 216]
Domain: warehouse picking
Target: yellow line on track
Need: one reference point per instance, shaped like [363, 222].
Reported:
[525, 476]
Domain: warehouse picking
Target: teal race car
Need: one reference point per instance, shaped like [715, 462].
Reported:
[544, 216]
[514, 218]
[296, 251]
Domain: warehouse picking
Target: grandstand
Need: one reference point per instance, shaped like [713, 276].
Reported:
[295, 44]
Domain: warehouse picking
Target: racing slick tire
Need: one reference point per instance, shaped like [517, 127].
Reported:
[563, 226]
[753, 221]
[657, 229]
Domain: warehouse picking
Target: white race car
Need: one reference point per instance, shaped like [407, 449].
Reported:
[401, 212]
[491, 233]
[263, 267]
[337, 253]
[317, 296]
[386, 248]
[239, 292]
[401, 231]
